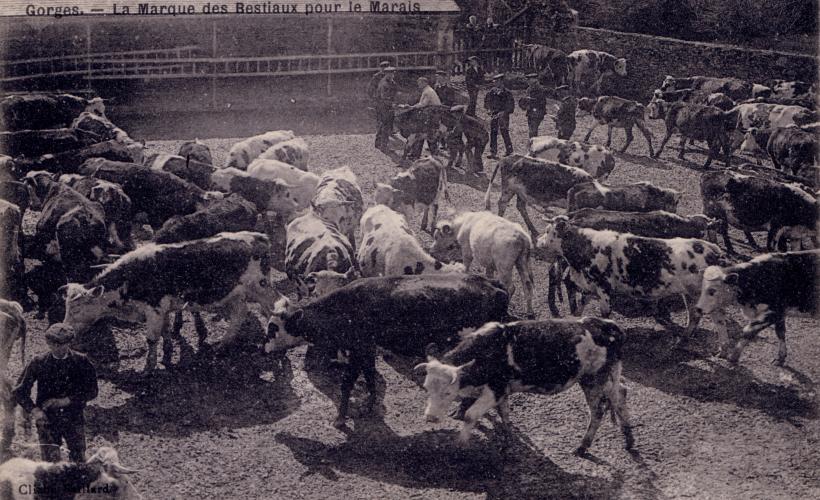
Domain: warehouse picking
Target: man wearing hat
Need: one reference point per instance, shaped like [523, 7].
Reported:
[565, 116]
[499, 103]
[385, 98]
[534, 104]
[473, 78]
[66, 381]
[375, 79]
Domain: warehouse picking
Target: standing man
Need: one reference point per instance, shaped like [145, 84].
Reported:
[446, 92]
[499, 103]
[428, 98]
[489, 43]
[534, 104]
[473, 78]
[373, 85]
[472, 36]
[385, 98]
[565, 115]
[66, 381]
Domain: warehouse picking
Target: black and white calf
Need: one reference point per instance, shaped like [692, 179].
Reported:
[424, 183]
[400, 313]
[765, 288]
[223, 273]
[544, 357]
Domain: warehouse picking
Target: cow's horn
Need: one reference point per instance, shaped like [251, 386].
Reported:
[119, 469]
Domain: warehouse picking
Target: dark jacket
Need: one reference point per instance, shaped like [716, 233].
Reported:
[373, 84]
[73, 376]
[473, 77]
[386, 93]
[566, 111]
[536, 100]
[499, 99]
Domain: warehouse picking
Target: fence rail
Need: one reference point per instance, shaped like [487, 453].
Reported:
[180, 63]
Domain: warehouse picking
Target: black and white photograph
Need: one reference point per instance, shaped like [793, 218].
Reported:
[267, 249]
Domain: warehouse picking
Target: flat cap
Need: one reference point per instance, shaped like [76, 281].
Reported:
[498, 76]
[384, 64]
[472, 58]
[390, 68]
[531, 75]
[59, 333]
[441, 72]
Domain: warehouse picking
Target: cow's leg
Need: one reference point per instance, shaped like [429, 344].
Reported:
[490, 271]
[773, 229]
[647, 135]
[693, 313]
[720, 319]
[522, 209]
[663, 143]
[723, 229]
[201, 332]
[185, 351]
[522, 264]
[615, 391]
[553, 287]
[752, 242]
[629, 138]
[589, 132]
[504, 200]
[424, 218]
[749, 334]
[482, 405]
[433, 216]
[714, 151]
[682, 146]
[608, 134]
[168, 336]
[348, 381]
[238, 311]
[155, 324]
[780, 330]
[604, 304]
[597, 401]
[368, 364]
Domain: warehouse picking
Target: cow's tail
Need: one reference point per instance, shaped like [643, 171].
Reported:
[23, 344]
[490, 186]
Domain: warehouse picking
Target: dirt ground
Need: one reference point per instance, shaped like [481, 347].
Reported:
[231, 428]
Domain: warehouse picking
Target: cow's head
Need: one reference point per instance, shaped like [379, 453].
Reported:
[280, 333]
[549, 243]
[445, 244]
[84, 306]
[96, 106]
[442, 385]
[761, 90]
[395, 200]
[113, 480]
[719, 289]
[586, 104]
[321, 283]
[668, 83]
[38, 183]
[620, 66]
[656, 109]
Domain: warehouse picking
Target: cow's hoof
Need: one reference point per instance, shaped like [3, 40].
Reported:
[629, 439]
[530, 315]
[458, 413]
[339, 423]
[580, 451]
[779, 361]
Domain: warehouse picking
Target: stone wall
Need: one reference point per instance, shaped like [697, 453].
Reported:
[650, 58]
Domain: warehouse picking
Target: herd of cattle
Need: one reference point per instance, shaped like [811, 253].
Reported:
[139, 237]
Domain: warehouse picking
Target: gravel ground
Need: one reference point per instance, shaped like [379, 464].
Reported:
[233, 428]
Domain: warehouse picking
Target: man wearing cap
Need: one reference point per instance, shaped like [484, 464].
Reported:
[385, 98]
[499, 103]
[375, 79]
[473, 78]
[565, 114]
[66, 381]
[534, 104]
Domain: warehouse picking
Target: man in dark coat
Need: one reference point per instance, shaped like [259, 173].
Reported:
[534, 104]
[385, 99]
[473, 78]
[66, 381]
[373, 85]
[499, 103]
[565, 115]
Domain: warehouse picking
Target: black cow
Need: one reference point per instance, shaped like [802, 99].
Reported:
[68, 162]
[418, 124]
[231, 214]
[544, 357]
[754, 203]
[116, 205]
[44, 111]
[184, 167]
[159, 194]
[765, 288]
[31, 143]
[531, 179]
[400, 313]
[196, 151]
[695, 122]
[17, 193]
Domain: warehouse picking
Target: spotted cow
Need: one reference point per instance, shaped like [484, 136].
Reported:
[532, 180]
[596, 160]
[301, 185]
[635, 197]
[588, 68]
[293, 152]
[389, 247]
[543, 357]
[222, 274]
[616, 112]
[610, 264]
[734, 88]
[765, 288]
[695, 122]
[338, 199]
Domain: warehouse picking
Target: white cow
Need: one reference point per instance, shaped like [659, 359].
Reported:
[293, 152]
[302, 184]
[595, 160]
[492, 242]
[244, 152]
[389, 248]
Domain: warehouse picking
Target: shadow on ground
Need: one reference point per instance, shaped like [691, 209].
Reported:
[432, 459]
[650, 359]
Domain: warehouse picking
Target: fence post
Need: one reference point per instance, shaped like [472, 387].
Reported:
[213, 66]
[329, 51]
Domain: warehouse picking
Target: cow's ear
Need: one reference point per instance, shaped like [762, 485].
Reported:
[420, 366]
[731, 279]
[446, 229]
[561, 225]
[461, 370]
[432, 351]
[297, 314]
[63, 291]
[97, 291]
